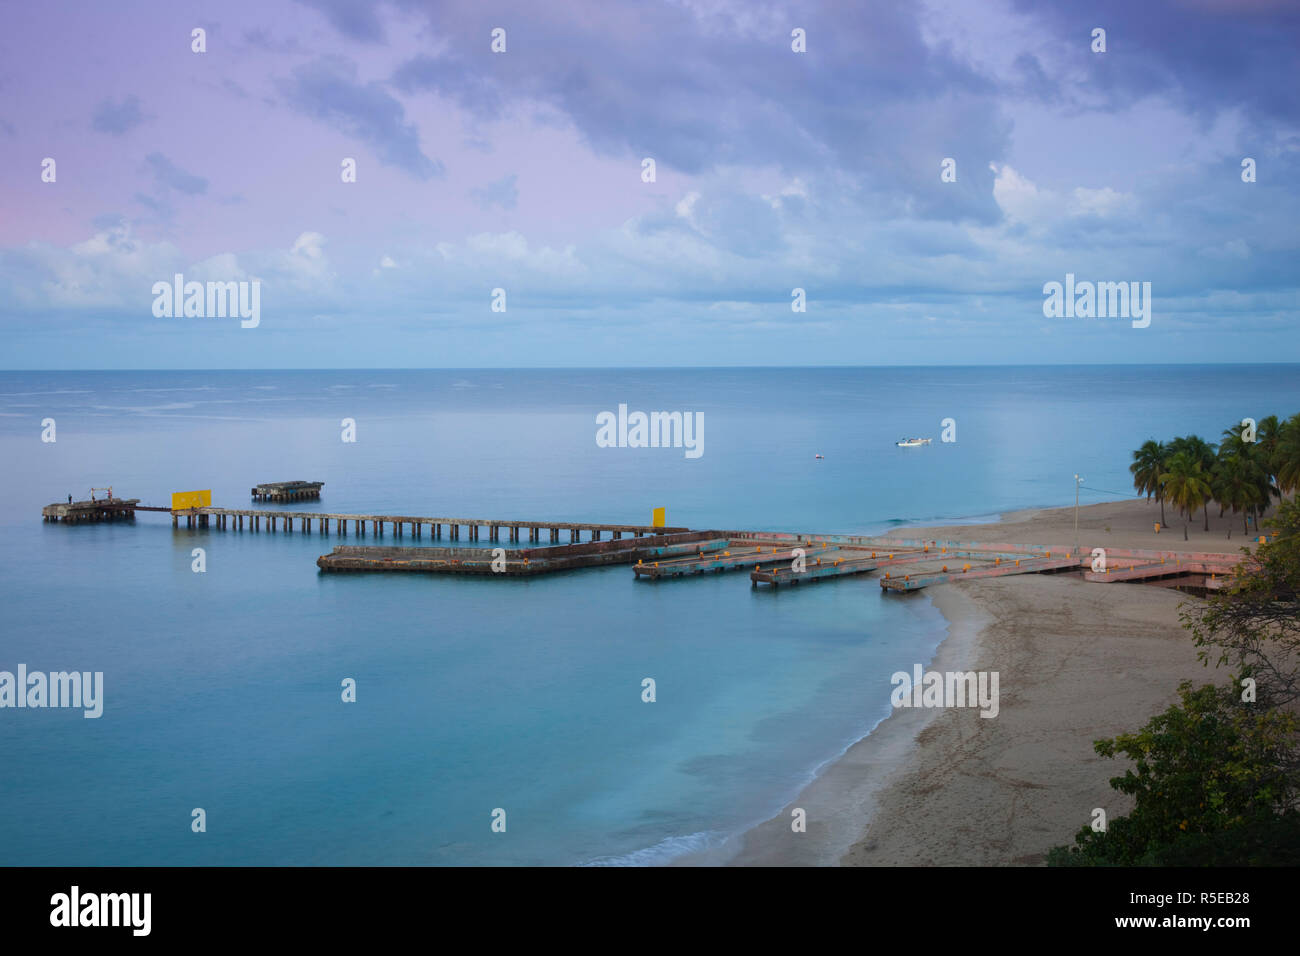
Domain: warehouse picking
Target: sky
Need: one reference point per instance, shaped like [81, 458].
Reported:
[523, 169]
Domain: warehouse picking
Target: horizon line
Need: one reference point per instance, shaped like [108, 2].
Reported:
[620, 368]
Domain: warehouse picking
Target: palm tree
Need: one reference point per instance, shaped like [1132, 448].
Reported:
[1266, 438]
[1286, 459]
[1148, 463]
[1186, 486]
[1235, 486]
[1266, 435]
[1232, 443]
[1257, 467]
[1197, 448]
[1254, 463]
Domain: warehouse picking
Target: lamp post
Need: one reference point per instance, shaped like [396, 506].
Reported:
[1077, 482]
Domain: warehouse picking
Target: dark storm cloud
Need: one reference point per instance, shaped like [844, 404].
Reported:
[328, 89]
[1211, 55]
[869, 97]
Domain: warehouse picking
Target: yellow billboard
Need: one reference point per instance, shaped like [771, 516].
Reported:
[191, 499]
[657, 518]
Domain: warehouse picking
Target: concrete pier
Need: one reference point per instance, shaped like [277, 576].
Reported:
[287, 490]
[656, 553]
[517, 562]
[100, 509]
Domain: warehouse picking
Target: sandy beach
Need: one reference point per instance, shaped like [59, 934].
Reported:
[1077, 661]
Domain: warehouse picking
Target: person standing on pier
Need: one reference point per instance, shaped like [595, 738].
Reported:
[69, 499]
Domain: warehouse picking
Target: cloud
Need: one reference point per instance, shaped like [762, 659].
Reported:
[503, 192]
[1024, 202]
[478, 92]
[356, 21]
[262, 39]
[328, 89]
[701, 87]
[168, 175]
[160, 208]
[775, 169]
[1224, 54]
[113, 269]
[117, 119]
[308, 245]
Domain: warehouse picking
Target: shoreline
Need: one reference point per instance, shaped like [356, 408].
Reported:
[946, 787]
[846, 789]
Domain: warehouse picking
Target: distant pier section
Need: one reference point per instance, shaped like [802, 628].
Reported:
[287, 490]
[96, 509]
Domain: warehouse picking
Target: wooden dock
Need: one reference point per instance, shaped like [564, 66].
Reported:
[287, 490]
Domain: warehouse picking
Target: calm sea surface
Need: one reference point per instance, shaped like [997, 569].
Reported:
[222, 689]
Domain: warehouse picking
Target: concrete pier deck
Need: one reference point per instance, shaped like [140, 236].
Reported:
[517, 562]
[102, 509]
[287, 490]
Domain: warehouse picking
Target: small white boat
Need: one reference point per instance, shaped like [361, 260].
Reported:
[913, 442]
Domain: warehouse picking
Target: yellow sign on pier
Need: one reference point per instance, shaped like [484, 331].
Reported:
[657, 518]
[182, 500]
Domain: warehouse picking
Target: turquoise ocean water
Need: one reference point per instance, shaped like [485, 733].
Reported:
[222, 689]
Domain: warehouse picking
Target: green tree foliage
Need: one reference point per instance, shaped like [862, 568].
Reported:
[1286, 458]
[1209, 764]
[1254, 623]
[1215, 779]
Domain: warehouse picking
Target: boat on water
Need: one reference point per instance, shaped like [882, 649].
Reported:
[913, 442]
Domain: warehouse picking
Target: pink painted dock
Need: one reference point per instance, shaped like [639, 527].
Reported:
[968, 571]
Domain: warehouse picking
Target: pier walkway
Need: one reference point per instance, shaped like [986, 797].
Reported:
[656, 553]
[414, 525]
